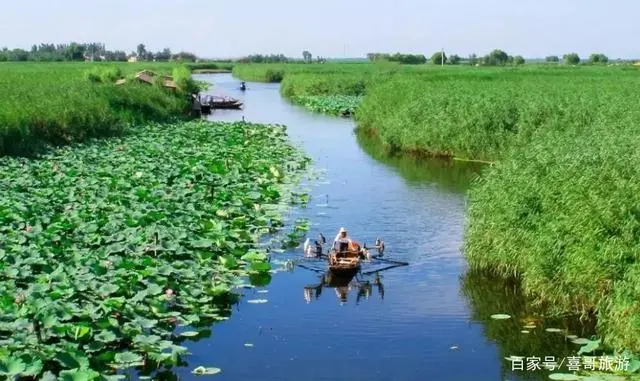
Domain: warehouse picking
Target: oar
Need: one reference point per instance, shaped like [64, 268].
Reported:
[399, 263]
[311, 268]
[382, 269]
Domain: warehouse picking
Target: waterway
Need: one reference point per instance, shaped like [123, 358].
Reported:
[429, 320]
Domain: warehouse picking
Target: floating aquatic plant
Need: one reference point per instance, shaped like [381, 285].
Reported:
[106, 248]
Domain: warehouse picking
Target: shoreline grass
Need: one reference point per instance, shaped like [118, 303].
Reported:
[45, 104]
[558, 206]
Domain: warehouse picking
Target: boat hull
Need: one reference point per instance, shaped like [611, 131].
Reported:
[345, 263]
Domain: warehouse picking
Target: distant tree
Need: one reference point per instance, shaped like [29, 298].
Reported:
[141, 51]
[307, 56]
[454, 59]
[184, 56]
[473, 59]
[598, 58]
[74, 52]
[438, 58]
[17, 55]
[496, 57]
[510, 60]
[571, 58]
[164, 55]
[518, 60]
[119, 55]
[552, 59]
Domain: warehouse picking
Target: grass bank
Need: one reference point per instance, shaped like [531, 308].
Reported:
[107, 247]
[61, 103]
[479, 114]
[562, 215]
[558, 210]
[335, 89]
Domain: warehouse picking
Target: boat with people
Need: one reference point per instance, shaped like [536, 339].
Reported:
[346, 254]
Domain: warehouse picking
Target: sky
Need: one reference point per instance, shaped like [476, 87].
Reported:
[330, 28]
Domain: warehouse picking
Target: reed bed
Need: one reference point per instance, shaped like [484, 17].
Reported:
[559, 207]
[61, 103]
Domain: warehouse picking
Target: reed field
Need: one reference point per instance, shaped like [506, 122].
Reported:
[479, 114]
[559, 207]
[61, 103]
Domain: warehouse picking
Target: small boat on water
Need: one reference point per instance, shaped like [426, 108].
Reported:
[225, 103]
[344, 262]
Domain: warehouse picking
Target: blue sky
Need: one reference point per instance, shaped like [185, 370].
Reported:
[232, 28]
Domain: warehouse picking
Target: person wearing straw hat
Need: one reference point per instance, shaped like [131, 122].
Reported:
[342, 241]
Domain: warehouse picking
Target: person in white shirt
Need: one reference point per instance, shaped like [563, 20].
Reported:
[342, 241]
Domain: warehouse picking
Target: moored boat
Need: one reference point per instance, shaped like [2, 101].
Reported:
[225, 103]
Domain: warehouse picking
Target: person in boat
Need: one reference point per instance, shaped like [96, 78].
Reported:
[342, 241]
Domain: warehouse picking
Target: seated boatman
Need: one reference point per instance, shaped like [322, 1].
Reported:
[342, 241]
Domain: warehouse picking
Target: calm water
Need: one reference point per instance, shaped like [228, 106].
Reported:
[400, 324]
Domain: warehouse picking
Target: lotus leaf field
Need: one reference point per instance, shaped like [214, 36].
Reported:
[106, 247]
[342, 105]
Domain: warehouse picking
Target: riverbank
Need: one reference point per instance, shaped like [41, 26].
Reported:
[120, 241]
[43, 104]
[559, 201]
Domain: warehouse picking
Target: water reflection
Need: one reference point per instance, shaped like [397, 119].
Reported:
[451, 175]
[488, 295]
[363, 285]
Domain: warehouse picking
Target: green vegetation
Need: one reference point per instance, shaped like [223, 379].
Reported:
[62, 103]
[562, 214]
[107, 247]
[92, 51]
[479, 113]
[598, 58]
[408, 59]
[558, 209]
[343, 105]
[571, 59]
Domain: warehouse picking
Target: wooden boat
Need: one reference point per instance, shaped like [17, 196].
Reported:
[225, 103]
[344, 262]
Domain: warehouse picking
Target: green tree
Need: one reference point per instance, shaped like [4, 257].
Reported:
[454, 59]
[307, 56]
[473, 59]
[439, 58]
[571, 58]
[141, 51]
[597, 58]
[552, 59]
[518, 60]
[498, 57]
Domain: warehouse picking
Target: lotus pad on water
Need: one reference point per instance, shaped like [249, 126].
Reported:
[105, 248]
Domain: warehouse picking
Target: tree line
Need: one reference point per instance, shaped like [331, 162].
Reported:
[408, 59]
[497, 57]
[307, 57]
[92, 51]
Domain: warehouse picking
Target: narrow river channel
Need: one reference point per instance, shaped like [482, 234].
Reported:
[429, 320]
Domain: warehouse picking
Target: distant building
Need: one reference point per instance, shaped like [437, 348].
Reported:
[132, 59]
